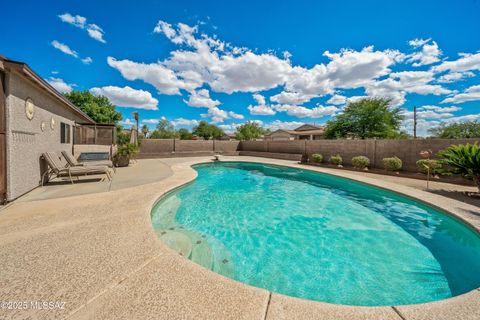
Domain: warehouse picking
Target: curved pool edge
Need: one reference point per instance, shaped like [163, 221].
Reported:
[465, 306]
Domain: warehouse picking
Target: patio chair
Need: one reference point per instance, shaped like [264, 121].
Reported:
[57, 170]
[74, 163]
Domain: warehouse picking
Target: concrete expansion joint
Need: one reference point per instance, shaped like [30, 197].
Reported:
[268, 305]
[399, 313]
[113, 285]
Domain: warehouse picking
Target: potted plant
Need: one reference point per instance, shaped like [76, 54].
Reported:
[124, 153]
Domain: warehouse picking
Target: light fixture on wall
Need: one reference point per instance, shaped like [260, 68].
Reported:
[29, 108]
[52, 123]
[42, 126]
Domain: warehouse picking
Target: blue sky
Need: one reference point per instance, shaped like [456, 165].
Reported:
[279, 62]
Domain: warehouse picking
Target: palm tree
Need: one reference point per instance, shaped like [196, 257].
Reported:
[464, 159]
[145, 130]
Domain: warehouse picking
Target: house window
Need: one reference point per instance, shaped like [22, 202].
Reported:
[64, 133]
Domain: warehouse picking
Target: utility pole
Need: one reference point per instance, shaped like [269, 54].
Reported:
[414, 122]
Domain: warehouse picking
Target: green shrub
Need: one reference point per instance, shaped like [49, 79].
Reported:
[360, 162]
[336, 160]
[392, 164]
[464, 159]
[424, 164]
[317, 157]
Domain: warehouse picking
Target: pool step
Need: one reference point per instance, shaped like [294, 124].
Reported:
[201, 251]
[222, 259]
[196, 247]
[166, 215]
[177, 241]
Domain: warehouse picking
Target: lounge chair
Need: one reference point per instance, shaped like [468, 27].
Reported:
[74, 163]
[57, 170]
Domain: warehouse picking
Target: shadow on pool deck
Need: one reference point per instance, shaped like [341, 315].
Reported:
[138, 173]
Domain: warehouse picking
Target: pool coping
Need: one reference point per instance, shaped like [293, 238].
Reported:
[466, 306]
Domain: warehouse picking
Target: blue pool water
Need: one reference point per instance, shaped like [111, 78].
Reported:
[318, 237]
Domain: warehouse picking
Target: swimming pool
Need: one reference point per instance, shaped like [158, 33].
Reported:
[317, 236]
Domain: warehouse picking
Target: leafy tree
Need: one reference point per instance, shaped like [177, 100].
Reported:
[463, 130]
[184, 134]
[366, 118]
[250, 130]
[464, 159]
[207, 131]
[99, 108]
[164, 130]
[145, 130]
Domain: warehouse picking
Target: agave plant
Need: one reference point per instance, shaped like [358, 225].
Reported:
[464, 159]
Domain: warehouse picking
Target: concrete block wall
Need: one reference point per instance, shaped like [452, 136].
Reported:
[375, 150]
[226, 146]
[157, 148]
[193, 145]
[346, 148]
[151, 146]
[294, 146]
[259, 146]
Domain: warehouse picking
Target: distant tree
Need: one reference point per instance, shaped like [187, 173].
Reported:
[250, 130]
[164, 130]
[462, 130]
[145, 130]
[99, 108]
[366, 118]
[207, 131]
[184, 134]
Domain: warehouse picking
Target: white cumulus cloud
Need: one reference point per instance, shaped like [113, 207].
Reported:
[60, 85]
[337, 99]
[303, 112]
[455, 76]
[470, 94]
[201, 99]
[185, 122]
[466, 62]
[128, 97]
[64, 48]
[260, 108]
[93, 30]
[430, 52]
[285, 125]
[162, 78]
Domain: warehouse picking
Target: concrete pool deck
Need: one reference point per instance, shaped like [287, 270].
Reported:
[96, 250]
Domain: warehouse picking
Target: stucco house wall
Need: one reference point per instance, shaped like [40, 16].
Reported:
[25, 139]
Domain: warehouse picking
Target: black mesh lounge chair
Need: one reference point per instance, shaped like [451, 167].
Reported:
[57, 170]
[74, 163]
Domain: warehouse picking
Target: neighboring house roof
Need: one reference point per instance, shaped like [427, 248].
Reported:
[27, 72]
[308, 127]
[279, 131]
[305, 129]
